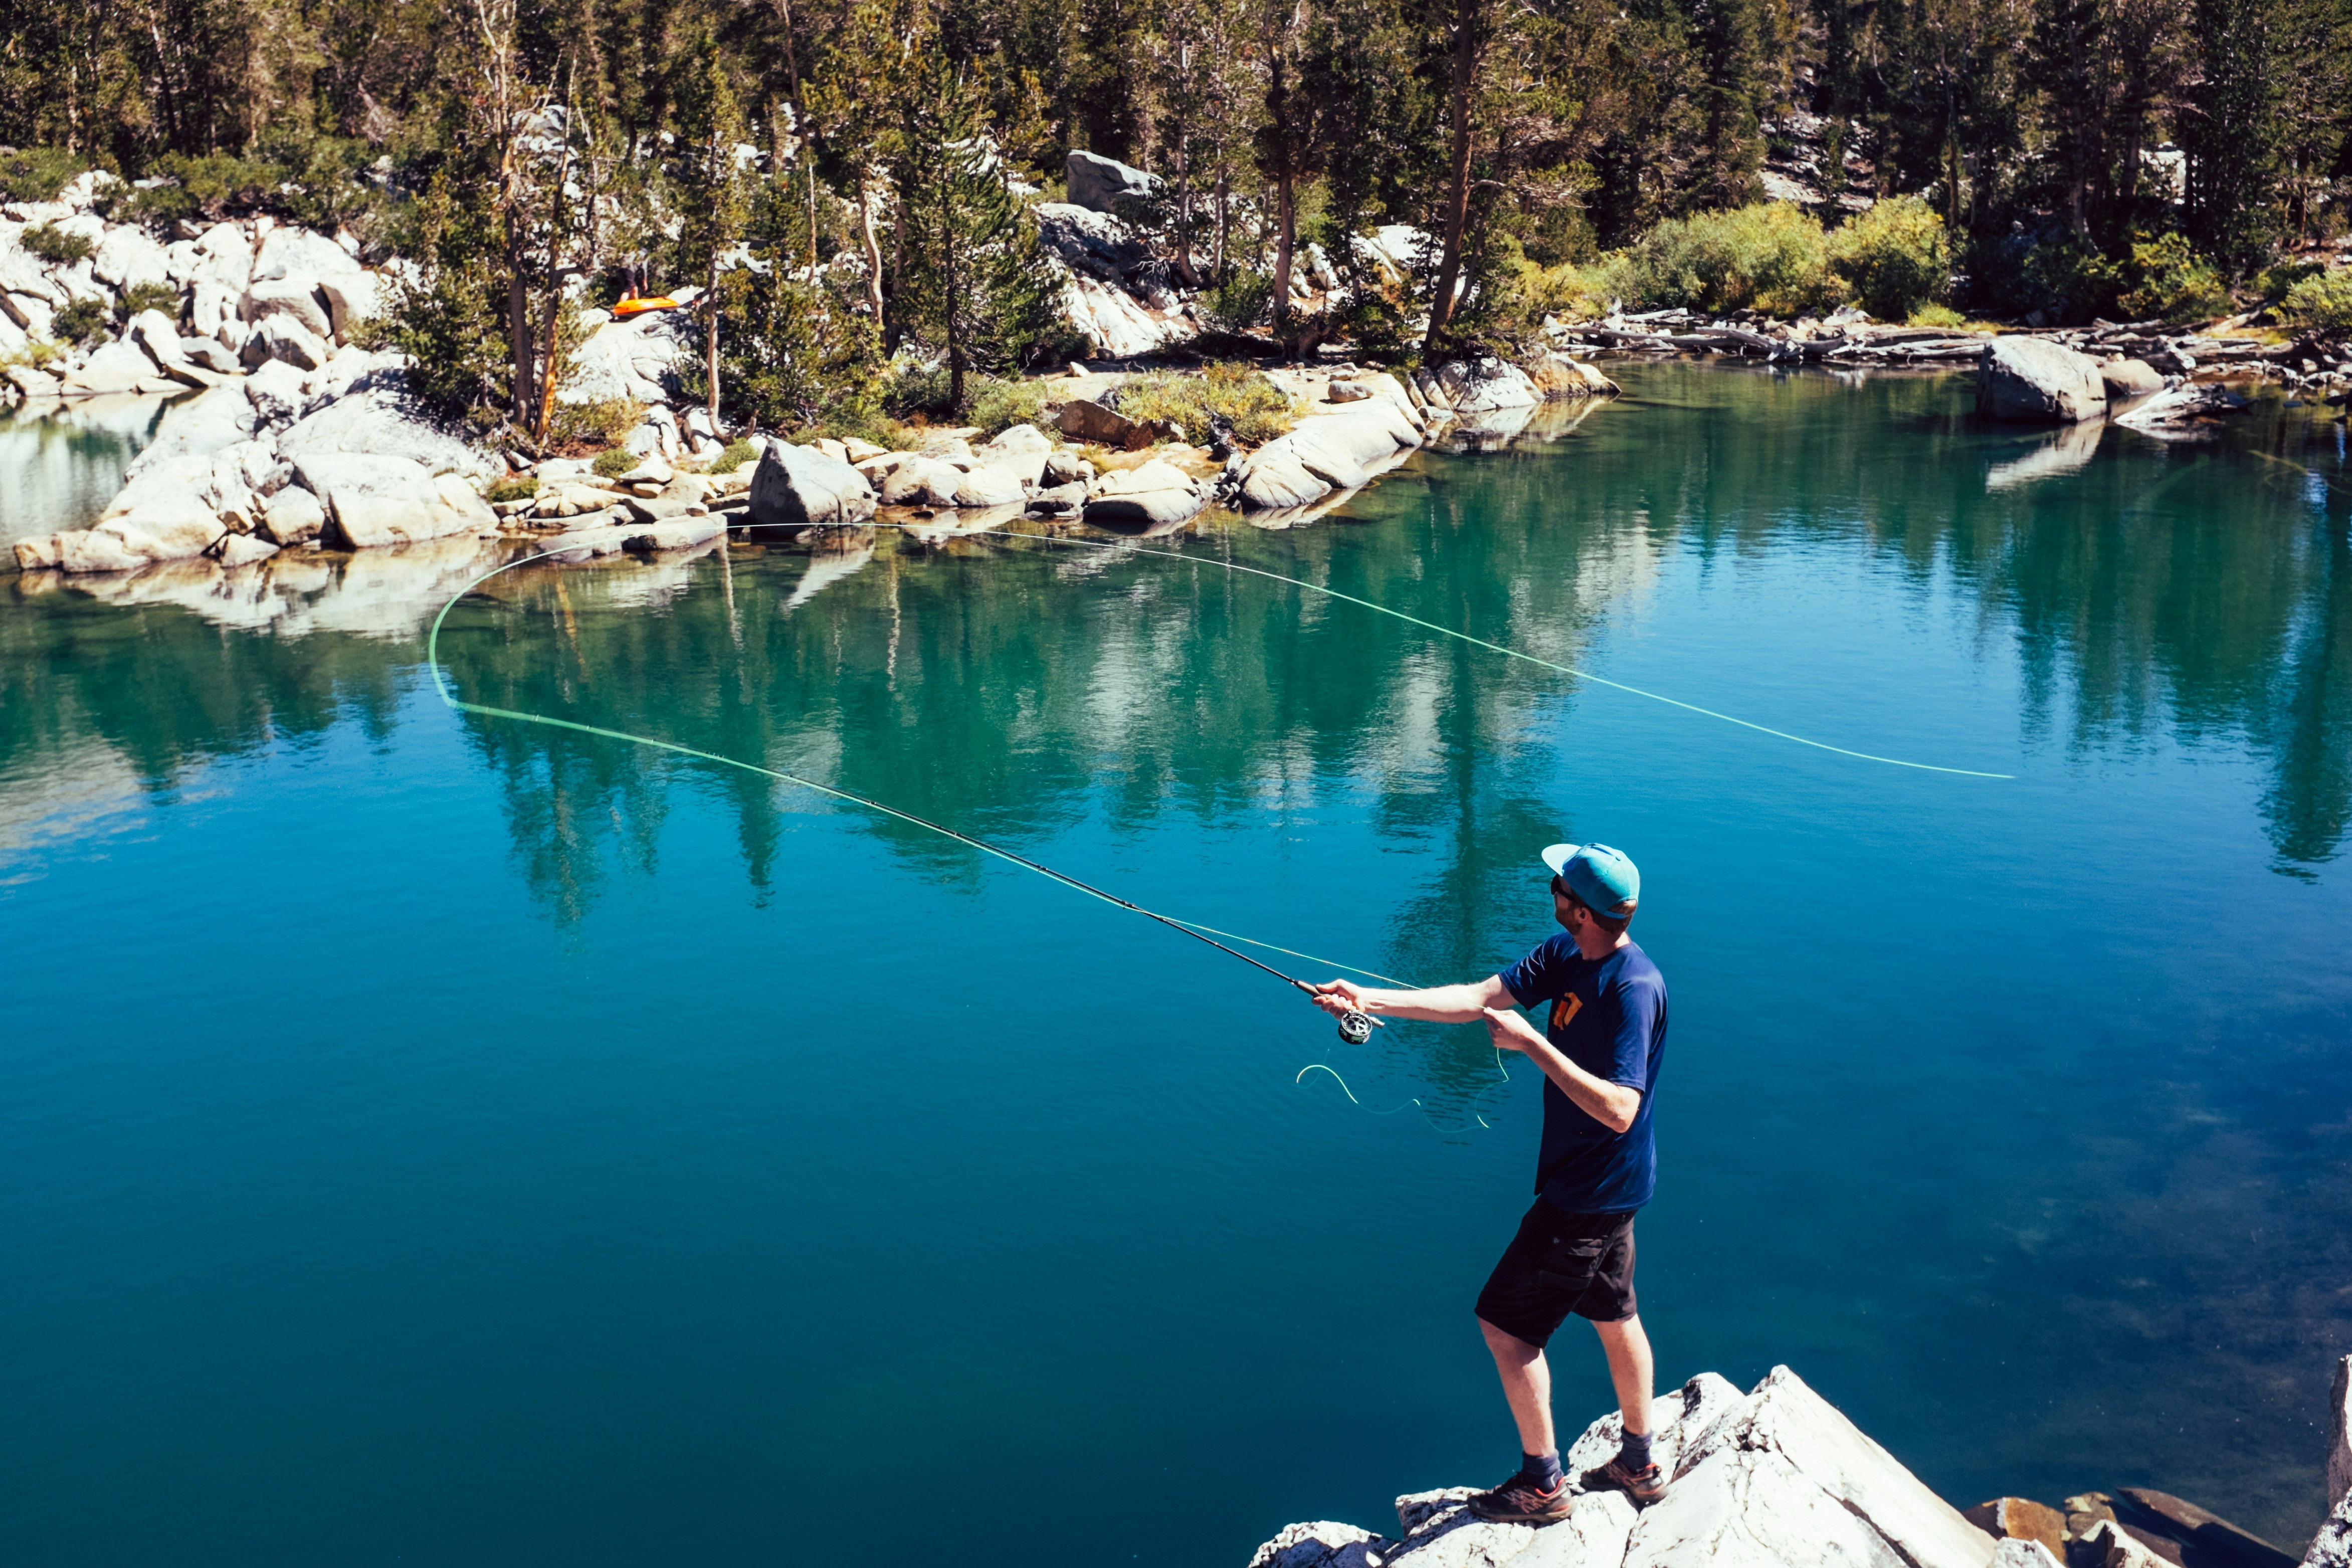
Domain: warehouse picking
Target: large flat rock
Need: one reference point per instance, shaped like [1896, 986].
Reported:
[377, 417]
[798, 487]
[373, 500]
[2034, 379]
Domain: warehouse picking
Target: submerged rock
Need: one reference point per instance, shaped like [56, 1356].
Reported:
[2032, 378]
[2021, 1519]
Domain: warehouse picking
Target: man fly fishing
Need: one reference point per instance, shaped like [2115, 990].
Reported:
[1600, 1051]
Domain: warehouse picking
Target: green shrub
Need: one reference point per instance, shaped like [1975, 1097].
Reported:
[2170, 283]
[38, 174]
[916, 389]
[54, 245]
[1256, 408]
[737, 452]
[1773, 256]
[2323, 300]
[2073, 282]
[148, 297]
[2272, 283]
[615, 461]
[1613, 276]
[310, 180]
[514, 486]
[81, 323]
[1894, 256]
[998, 406]
[36, 352]
[1567, 290]
[1935, 316]
[1238, 303]
[603, 424]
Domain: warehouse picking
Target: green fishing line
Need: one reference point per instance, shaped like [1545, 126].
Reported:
[1191, 928]
[1475, 642]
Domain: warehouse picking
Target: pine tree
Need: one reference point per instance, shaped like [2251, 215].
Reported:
[976, 289]
[2231, 131]
[710, 191]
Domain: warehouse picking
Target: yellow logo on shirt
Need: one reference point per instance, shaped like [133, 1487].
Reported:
[1564, 1009]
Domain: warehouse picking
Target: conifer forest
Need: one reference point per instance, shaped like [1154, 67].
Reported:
[851, 186]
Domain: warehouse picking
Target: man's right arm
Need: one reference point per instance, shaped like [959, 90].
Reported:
[1463, 1003]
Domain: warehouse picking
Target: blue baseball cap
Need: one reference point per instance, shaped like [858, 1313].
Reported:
[1603, 878]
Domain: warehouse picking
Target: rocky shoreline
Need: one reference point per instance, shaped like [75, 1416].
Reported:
[299, 437]
[1779, 1478]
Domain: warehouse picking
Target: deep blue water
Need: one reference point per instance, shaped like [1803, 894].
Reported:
[427, 1137]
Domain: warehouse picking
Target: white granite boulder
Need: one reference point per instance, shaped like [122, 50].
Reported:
[287, 297]
[797, 487]
[302, 254]
[120, 366]
[2130, 378]
[1774, 1479]
[1481, 385]
[127, 256]
[292, 516]
[350, 297]
[373, 501]
[1102, 183]
[2034, 378]
[634, 360]
[1155, 494]
[376, 414]
[1334, 452]
[1023, 450]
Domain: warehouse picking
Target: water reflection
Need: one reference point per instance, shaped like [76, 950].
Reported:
[2202, 595]
[60, 463]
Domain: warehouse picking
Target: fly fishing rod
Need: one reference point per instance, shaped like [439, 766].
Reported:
[1354, 1026]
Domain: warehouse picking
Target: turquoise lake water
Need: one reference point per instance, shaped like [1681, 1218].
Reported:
[428, 1138]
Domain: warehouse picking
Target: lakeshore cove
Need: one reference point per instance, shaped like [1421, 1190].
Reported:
[435, 1136]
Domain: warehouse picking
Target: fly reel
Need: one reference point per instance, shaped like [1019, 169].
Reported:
[1355, 1028]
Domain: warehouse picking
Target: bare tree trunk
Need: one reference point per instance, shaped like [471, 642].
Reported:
[955, 327]
[1284, 216]
[519, 326]
[1277, 104]
[1468, 40]
[710, 346]
[873, 246]
[1224, 223]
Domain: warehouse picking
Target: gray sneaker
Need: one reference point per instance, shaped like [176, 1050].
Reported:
[1520, 1500]
[1645, 1485]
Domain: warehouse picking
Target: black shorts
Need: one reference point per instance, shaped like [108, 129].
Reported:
[1557, 1264]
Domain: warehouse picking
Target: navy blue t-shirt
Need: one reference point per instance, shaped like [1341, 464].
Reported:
[1609, 1017]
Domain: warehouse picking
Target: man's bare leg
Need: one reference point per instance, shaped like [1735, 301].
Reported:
[1630, 1369]
[1526, 1383]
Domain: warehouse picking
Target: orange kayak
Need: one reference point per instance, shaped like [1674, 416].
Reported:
[638, 306]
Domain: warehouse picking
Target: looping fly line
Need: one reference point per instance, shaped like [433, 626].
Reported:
[1132, 549]
[1197, 931]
